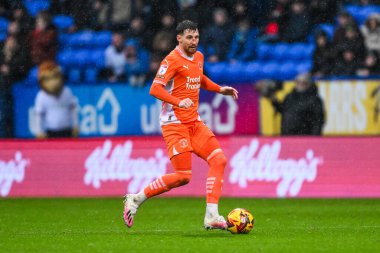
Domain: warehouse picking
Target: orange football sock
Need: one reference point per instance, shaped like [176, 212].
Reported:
[214, 181]
[166, 182]
[181, 176]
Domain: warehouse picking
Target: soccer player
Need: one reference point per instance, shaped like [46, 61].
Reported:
[177, 85]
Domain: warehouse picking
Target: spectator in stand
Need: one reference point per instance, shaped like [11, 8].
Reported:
[371, 32]
[271, 30]
[344, 20]
[323, 56]
[346, 65]
[21, 16]
[5, 9]
[371, 65]
[55, 105]
[243, 43]
[158, 9]
[138, 31]
[302, 109]
[115, 60]
[14, 66]
[43, 39]
[275, 21]
[154, 64]
[137, 63]
[188, 10]
[323, 11]
[14, 29]
[297, 23]
[240, 11]
[121, 12]
[217, 37]
[165, 39]
[14, 60]
[354, 42]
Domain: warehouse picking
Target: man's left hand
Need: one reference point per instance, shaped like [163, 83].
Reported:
[229, 91]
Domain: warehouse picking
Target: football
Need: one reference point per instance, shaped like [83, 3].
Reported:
[240, 221]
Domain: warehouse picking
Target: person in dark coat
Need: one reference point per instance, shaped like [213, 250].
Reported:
[216, 48]
[302, 109]
[323, 56]
[297, 23]
[14, 65]
[346, 63]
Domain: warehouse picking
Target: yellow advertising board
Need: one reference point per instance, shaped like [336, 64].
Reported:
[351, 107]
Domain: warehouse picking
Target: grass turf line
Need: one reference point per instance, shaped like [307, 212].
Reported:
[176, 225]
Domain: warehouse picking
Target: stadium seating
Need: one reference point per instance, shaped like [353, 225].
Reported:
[361, 13]
[63, 22]
[35, 6]
[82, 53]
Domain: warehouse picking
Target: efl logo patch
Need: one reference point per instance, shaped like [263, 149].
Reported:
[163, 69]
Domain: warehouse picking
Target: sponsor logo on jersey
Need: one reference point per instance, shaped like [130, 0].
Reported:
[163, 69]
[193, 83]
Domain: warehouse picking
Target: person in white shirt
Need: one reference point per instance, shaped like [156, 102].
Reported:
[55, 105]
[115, 60]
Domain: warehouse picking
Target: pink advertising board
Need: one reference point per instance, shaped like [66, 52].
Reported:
[257, 167]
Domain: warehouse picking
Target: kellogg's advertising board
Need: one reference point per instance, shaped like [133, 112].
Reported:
[257, 167]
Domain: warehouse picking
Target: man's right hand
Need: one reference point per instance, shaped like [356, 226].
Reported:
[186, 103]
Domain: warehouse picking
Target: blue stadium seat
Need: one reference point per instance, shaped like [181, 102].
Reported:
[352, 9]
[3, 24]
[304, 67]
[271, 70]
[80, 39]
[98, 58]
[88, 39]
[329, 29]
[91, 75]
[3, 36]
[253, 70]
[63, 22]
[74, 75]
[65, 57]
[216, 71]
[300, 51]
[279, 51]
[287, 70]
[263, 51]
[361, 13]
[32, 77]
[102, 39]
[235, 73]
[35, 6]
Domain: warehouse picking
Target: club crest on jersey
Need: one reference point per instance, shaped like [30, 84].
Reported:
[183, 143]
[163, 69]
[200, 65]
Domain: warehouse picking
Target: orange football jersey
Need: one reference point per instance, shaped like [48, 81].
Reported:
[182, 77]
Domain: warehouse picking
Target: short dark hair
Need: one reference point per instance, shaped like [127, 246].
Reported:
[186, 25]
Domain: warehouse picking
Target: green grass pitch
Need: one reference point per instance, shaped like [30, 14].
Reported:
[175, 225]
